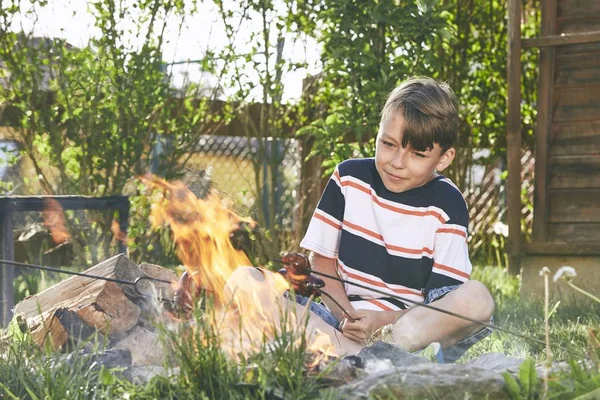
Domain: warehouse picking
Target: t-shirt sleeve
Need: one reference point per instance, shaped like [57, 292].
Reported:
[325, 227]
[451, 263]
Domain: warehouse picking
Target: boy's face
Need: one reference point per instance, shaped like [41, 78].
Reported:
[402, 169]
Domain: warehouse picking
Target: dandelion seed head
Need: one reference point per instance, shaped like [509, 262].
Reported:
[565, 272]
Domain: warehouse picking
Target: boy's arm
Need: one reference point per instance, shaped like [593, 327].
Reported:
[451, 264]
[363, 322]
[333, 288]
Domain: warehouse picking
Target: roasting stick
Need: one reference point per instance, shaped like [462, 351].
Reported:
[301, 266]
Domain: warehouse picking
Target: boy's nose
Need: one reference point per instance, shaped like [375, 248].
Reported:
[399, 159]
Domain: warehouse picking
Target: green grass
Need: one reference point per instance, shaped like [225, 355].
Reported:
[569, 325]
[206, 372]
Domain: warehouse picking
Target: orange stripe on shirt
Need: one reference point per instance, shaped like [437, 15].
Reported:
[380, 305]
[453, 231]
[327, 221]
[450, 269]
[377, 283]
[387, 246]
[392, 208]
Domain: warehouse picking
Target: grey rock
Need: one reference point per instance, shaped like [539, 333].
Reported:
[109, 359]
[429, 381]
[142, 374]
[496, 362]
[382, 355]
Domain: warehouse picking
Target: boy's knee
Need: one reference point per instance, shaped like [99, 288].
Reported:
[477, 300]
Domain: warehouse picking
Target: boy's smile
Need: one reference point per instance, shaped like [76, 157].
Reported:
[402, 169]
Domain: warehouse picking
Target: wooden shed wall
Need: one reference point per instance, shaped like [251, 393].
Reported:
[573, 177]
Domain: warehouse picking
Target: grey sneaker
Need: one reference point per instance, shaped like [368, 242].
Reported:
[433, 353]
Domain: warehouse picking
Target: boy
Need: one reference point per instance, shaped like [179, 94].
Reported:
[394, 224]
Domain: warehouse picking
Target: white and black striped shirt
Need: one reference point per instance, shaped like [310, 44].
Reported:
[401, 243]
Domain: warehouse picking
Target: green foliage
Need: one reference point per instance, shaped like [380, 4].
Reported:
[30, 373]
[89, 118]
[528, 385]
[370, 47]
[503, 286]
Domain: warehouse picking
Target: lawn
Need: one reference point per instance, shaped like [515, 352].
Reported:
[27, 372]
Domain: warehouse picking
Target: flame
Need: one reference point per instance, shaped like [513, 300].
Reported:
[201, 229]
[118, 234]
[54, 220]
[248, 307]
[322, 348]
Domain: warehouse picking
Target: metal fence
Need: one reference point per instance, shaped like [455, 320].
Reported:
[238, 167]
[229, 164]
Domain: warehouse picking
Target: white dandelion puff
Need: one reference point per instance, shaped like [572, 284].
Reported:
[566, 272]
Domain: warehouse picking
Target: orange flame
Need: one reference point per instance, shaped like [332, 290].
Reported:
[54, 220]
[322, 348]
[201, 229]
[118, 235]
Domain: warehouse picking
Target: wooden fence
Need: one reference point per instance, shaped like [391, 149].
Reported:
[487, 212]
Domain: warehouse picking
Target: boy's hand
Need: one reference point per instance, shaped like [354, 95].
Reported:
[365, 323]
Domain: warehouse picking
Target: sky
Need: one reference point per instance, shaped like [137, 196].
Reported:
[70, 20]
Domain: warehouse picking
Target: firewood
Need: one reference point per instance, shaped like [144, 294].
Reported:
[98, 303]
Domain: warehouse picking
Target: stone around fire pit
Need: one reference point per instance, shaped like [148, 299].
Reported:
[429, 381]
[383, 355]
[394, 372]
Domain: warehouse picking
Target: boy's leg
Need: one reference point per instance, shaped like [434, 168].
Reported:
[421, 326]
[258, 288]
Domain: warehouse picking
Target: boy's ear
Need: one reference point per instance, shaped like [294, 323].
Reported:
[446, 159]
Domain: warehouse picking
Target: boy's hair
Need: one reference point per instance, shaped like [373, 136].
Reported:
[430, 111]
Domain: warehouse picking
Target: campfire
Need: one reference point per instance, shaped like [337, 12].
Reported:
[120, 302]
[117, 310]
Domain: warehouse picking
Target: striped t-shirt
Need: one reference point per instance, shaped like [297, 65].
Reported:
[401, 243]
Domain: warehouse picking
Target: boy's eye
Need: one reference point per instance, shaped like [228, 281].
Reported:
[387, 144]
[420, 155]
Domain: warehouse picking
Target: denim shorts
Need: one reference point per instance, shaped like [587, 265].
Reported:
[451, 354]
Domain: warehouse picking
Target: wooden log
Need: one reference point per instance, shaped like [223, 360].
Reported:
[163, 290]
[98, 303]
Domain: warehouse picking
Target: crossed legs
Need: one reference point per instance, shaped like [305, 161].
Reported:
[416, 329]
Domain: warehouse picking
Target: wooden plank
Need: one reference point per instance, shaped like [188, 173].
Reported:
[575, 172]
[568, 206]
[587, 23]
[575, 138]
[562, 39]
[513, 135]
[577, 71]
[575, 8]
[568, 51]
[576, 104]
[555, 248]
[574, 233]
[544, 118]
